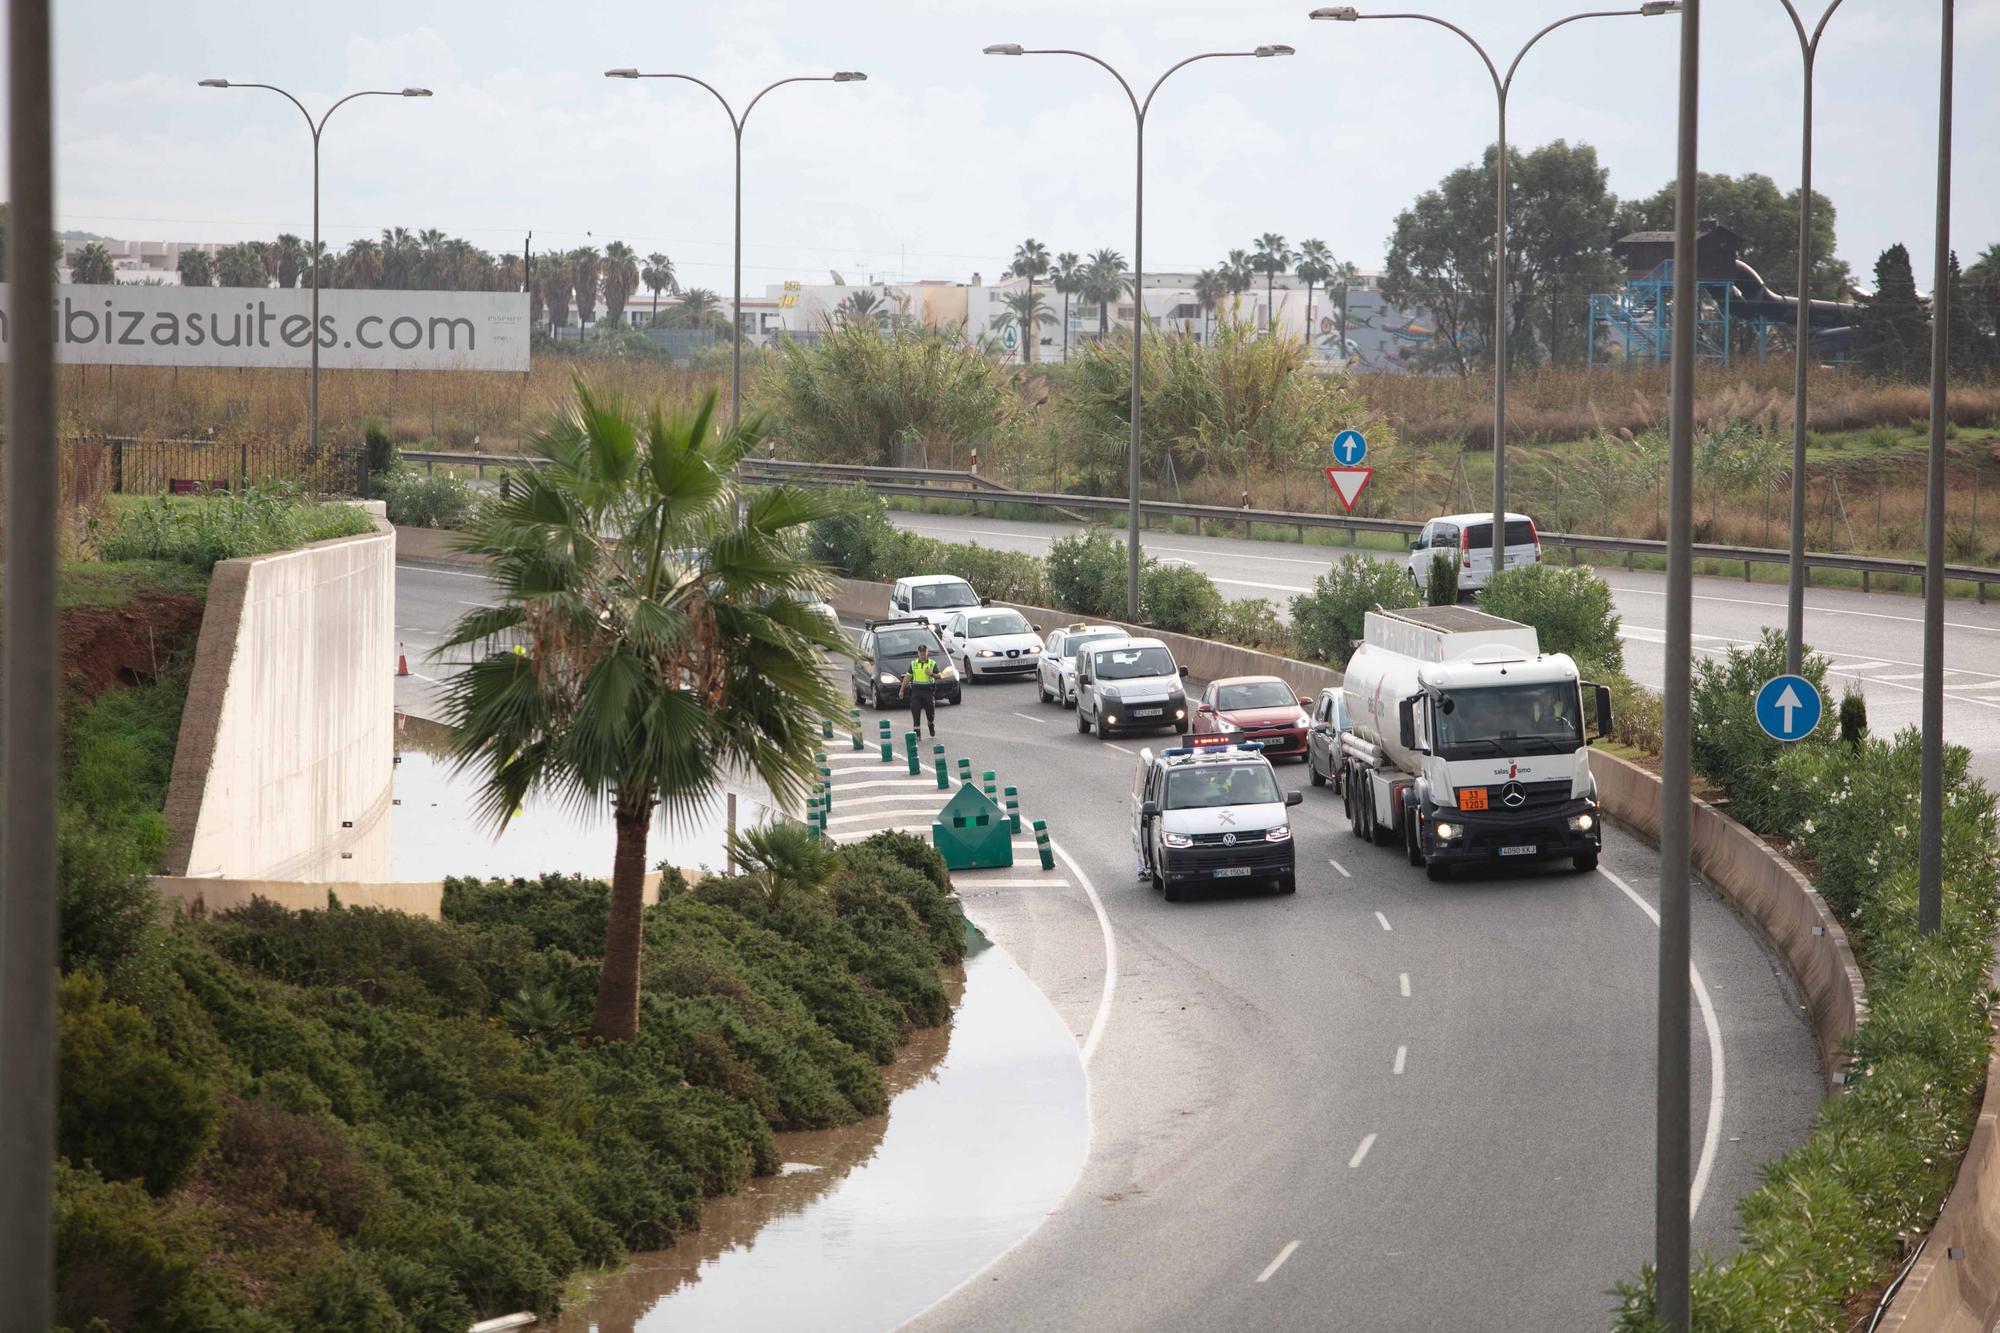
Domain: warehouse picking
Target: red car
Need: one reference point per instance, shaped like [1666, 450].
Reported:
[1253, 708]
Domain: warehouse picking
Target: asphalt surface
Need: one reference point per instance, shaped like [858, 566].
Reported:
[1382, 1103]
[1871, 640]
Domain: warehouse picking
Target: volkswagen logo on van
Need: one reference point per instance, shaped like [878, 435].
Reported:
[1229, 840]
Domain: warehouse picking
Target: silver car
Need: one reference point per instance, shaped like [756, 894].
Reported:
[1055, 670]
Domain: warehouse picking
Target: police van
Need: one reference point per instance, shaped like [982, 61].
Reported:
[1210, 816]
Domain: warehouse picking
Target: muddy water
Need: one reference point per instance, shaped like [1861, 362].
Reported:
[870, 1225]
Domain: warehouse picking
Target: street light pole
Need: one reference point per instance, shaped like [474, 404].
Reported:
[1139, 110]
[1930, 817]
[1795, 587]
[317, 128]
[1502, 85]
[736, 124]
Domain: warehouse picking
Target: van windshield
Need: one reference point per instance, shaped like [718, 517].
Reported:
[1134, 663]
[1509, 719]
[1222, 784]
[942, 596]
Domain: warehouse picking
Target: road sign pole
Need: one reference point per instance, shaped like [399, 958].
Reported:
[1930, 817]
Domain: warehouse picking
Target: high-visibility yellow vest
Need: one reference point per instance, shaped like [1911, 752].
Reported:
[923, 671]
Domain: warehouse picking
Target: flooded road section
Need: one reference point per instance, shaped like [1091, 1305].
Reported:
[872, 1224]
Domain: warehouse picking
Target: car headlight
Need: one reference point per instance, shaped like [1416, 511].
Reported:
[1303, 721]
[1582, 823]
[1112, 718]
[1282, 833]
[988, 652]
[888, 679]
[1177, 840]
[1445, 832]
[1180, 714]
[948, 673]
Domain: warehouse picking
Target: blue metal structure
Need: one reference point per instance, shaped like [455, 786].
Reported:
[1637, 323]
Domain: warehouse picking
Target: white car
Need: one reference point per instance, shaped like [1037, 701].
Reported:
[1468, 539]
[1055, 671]
[1204, 816]
[935, 597]
[1129, 685]
[990, 644]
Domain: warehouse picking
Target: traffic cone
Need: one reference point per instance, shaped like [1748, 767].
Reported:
[402, 661]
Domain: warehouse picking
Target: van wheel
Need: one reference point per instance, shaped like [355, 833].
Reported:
[1288, 884]
[1586, 864]
[1082, 723]
[1171, 891]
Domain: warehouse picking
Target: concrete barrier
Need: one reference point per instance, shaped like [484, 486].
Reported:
[211, 897]
[1767, 889]
[282, 768]
[1954, 1286]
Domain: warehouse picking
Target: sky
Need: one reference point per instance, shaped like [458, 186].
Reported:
[945, 159]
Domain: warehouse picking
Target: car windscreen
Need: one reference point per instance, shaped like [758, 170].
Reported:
[1221, 784]
[1133, 663]
[1262, 694]
[941, 596]
[903, 642]
[1503, 720]
[1479, 536]
[1000, 622]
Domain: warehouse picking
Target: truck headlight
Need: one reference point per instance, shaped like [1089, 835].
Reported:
[1582, 823]
[1177, 840]
[1282, 833]
[1112, 718]
[1445, 831]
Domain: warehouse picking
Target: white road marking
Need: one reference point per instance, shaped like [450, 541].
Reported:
[1361, 1152]
[1383, 919]
[910, 798]
[1246, 583]
[868, 815]
[1402, 1054]
[1403, 979]
[1713, 1134]
[1338, 866]
[840, 786]
[1853, 666]
[1278, 1262]
[976, 882]
[1810, 609]
[1027, 717]
[1901, 675]
[448, 573]
[1121, 749]
[1103, 1015]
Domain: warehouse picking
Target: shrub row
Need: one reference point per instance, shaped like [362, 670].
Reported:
[200, 530]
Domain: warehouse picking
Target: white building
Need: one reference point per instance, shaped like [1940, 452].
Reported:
[143, 261]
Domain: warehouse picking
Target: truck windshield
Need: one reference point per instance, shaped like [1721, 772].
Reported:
[1222, 784]
[1508, 719]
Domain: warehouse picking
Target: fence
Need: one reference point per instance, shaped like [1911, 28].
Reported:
[130, 465]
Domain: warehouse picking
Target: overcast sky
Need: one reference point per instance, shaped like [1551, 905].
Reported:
[945, 159]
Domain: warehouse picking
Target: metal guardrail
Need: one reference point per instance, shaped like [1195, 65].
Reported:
[938, 483]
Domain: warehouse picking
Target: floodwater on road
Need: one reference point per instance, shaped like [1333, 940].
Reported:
[870, 1225]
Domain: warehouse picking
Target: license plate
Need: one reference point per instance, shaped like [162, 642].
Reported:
[1147, 712]
[1472, 798]
[1233, 872]
[1517, 851]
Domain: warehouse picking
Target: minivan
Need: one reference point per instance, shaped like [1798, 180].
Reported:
[1468, 539]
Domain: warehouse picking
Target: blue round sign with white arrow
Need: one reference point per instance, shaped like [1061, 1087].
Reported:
[1788, 708]
[1349, 448]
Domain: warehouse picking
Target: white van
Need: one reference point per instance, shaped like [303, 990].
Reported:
[1129, 685]
[1203, 816]
[1468, 539]
[934, 597]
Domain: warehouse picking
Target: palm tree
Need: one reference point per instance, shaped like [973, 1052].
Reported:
[861, 306]
[554, 282]
[241, 265]
[665, 641]
[1209, 289]
[288, 260]
[658, 275]
[1272, 258]
[584, 267]
[1343, 276]
[699, 308]
[1105, 284]
[92, 265]
[783, 858]
[195, 268]
[1068, 277]
[1027, 311]
[1315, 266]
[1031, 261]
[360, 266]
[505, 275]
[621, 279]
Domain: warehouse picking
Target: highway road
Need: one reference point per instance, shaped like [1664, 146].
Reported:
[1872, 640]
[1382, 1103]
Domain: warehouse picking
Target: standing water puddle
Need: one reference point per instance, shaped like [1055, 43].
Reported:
[870, 1225]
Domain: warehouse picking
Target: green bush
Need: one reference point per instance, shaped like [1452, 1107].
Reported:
[428, 499]
[1327, 623]
[126, 1109]
[1636, 713]
[1252, 622]
[1728, 747]
[863, 544]
[1179, 599]
[1087, 572]
[1441, 583]
[1853, 715]
[380, 446]
[200, 530]
[1570, 609]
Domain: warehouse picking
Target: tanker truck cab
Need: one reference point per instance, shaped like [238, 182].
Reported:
[1467, 743]
[1211, 815]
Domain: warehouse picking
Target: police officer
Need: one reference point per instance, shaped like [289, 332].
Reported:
[921, 682]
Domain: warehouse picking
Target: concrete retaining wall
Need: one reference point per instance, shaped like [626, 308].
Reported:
[285, 755]
[210, 897]
[1943, 1294]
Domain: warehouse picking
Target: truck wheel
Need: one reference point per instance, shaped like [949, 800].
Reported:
[1438, 871]
[1413, 843]
[1586, 864]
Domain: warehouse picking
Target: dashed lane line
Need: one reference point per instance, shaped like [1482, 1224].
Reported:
[1384, 920]
[1403, 980]
[1278, 1262]
[1402, 1054]
[1360, 1152]
[1341, 868]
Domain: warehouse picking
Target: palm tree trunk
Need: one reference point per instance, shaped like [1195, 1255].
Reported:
[1103, 320]
[1309, 317]
[1065, 328]
[1029, 332]
[617, 1016]
[1270, 305]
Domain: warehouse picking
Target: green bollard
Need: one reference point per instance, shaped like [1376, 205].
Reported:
[888, 742]
[965, 770]
[943, 777]
[910, 747]
[992, 792]
[1013, 810]
[854, 726]
[826, 728]
[1042, 845]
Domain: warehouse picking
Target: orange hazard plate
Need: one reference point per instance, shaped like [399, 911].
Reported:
[1472, 798]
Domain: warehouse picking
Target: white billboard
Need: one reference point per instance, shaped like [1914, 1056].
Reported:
[126, 325]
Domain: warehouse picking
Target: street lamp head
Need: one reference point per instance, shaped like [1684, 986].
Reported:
[1275, 49]
[215, 83]
[1655, 7]
[1004, 49]
[1338, 13]
[416, 92]
[621, 73]
[849, 76]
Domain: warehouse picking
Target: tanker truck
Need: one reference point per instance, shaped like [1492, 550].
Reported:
[1465, 742]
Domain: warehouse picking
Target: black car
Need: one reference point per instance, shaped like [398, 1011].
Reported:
[887, 647]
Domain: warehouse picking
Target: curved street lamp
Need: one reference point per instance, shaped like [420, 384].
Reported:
[318, 127]
[736, 124]
[1139, 109]
[1502, 85]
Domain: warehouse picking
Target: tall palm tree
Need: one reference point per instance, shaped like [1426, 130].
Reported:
[399, 259]
[241, 265]
[288, 260]
[666, 642]
[1068, 277]
[1315, 266]
[1031, 261]
[505, 275]
[433, 260]
[195, 268]
[554, 281]
[1105, 284]
[1028, 312]
[863, 305]
[1273, 257]
[1343, 276]
[92, 264]
[360, 265]
[621, 279]
[658, 275]
[1209, 289]
[584, 270]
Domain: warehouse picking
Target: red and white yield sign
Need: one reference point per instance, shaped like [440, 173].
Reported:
[1348, 483]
